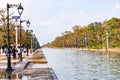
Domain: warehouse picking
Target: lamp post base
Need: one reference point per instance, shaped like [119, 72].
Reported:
[9, 68]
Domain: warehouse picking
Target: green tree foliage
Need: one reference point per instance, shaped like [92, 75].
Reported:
[92, 35]
[3, 32]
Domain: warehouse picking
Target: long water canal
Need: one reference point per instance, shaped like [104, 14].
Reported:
[82, 65]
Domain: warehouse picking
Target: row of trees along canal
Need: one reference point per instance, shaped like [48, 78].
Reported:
[3, 33]
[96, 35]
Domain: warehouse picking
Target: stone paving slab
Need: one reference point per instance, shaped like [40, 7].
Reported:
[38, 57]
[38, 61]
[21, 66]
[3, 65]
[39, 74]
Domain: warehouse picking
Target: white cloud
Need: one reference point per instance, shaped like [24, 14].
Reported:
[44, 23]
[56, 25]
[117, 6]
[59, 24]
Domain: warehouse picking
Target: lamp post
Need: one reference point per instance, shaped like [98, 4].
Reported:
[16, 29]
[28, 24]
[27, 40]
[31, 42]
[20, 10]
[86, 44]
[107, 44]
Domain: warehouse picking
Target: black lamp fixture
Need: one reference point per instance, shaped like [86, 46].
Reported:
[28, 23]
[20, 9]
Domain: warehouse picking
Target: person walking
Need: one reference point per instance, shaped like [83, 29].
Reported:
[14, 53]
[6, 51]
[18, 52]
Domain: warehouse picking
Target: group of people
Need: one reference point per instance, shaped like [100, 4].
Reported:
[15, 52]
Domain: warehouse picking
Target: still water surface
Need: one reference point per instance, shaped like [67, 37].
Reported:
[82, 65]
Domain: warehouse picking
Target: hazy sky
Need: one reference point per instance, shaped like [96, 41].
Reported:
[49, 18]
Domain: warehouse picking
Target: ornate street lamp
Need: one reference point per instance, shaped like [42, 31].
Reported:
[85, 36]
[107, 41]
[28, 24]
[27, 40]
[31, 41]
[20, 10]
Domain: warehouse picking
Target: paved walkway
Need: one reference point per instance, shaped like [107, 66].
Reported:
[20, 68]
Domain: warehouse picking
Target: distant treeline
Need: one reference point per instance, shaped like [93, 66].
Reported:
[95, 35]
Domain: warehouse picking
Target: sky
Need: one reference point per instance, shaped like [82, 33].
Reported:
[50, 18]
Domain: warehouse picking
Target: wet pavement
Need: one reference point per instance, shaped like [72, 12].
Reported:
[24, 71]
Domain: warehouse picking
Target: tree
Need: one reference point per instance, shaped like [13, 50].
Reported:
[3, 31]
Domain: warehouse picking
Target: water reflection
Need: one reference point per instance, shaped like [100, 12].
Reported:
[83, 65]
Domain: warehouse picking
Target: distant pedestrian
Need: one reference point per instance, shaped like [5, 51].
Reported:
[6, 51]
[1, 51]
[24, 50]
[14, 53]
[18, 52]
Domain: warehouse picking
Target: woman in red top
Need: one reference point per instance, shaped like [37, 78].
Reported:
[13, 52]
